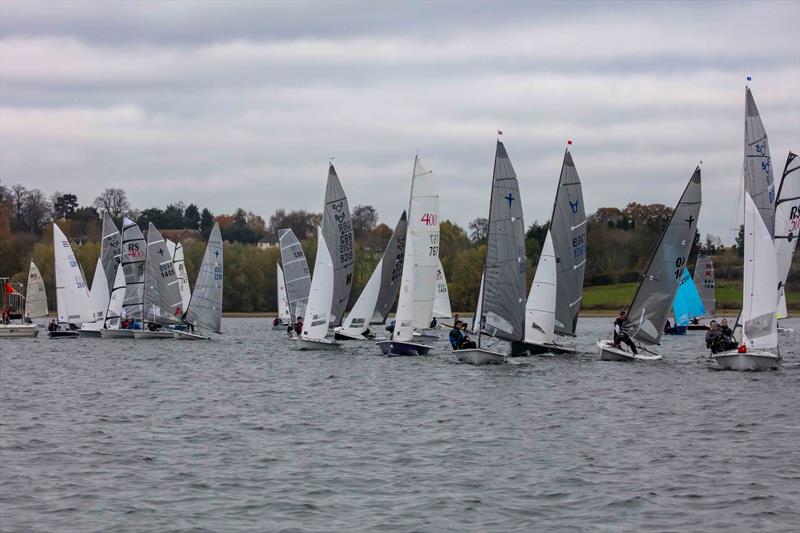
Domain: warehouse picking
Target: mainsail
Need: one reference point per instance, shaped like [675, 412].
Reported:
[99, 293]
[421, 256]
[176, 252]
[504, 270]
[687, 304]
[205, 308]
[283, 299]
[318, 311]
[758, 181]
[162, 295]
[72, 294]
[134, 250]
[441, 297]
[705, 284]
[391, 270]
[787, 224]
[110, 250]
[656, 292]
[540, 320]
[568, 230]
[295, 271]
[35, 296]
[759, 325]
[337, 229]
[114, 311]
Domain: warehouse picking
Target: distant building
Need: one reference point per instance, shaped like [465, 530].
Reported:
[268, 242]
[182, 235]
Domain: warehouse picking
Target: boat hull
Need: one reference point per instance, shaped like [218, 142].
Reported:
[142, 334]
[544, 348]
[316, 344]
[697, 327]
[750, 361]
[189, 336]
[90, 333]
[343, 336]
[19, 331]
[402, 348]
[116, 333]
[71, 334]
[479, 356]
[608, 352]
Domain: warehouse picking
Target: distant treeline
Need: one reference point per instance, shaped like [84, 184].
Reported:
[620, 242]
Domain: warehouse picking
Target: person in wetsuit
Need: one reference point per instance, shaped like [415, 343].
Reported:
[620, 335]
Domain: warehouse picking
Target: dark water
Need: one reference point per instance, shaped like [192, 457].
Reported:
[244, 433]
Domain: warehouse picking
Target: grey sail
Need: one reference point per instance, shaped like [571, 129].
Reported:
[110, 249]
[758, 179]
[391, 270]
[656, 292]
[162, 294]
[705, 284]
[568, 231]
[337, 230]
[504, 271]
[134, 250]
[205, 307]
[295, 273]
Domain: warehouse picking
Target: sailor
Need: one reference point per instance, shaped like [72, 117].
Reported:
[667, 328]
[6, 315]
[695, 322]
[619, 332]
[466, 342]
[434, 323]
[276, 321]
[714, 339]
[456, 335]
[28, 318]
[53, 325]
[726, 331]
[298, 326]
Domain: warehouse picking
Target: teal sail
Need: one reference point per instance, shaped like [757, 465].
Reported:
[688, 304]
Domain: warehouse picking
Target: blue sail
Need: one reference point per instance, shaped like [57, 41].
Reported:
[687, 303]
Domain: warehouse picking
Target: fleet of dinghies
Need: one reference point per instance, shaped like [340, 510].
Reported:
[140, 288]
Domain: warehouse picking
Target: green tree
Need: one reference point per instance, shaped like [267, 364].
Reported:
[206, 222]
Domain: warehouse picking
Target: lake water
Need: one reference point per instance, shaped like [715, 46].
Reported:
[246, 433]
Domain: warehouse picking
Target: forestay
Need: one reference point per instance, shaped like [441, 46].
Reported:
[504, 283]
[317, 318]
[540, 316]
[656, 292]
[35, 296]
[295, 272]
[110, 250]
[758, 181]
[441, 297]
[162, 295]
[759, 325]
[787, 225]
[205, 308]
[72, 294]
[337, 230]
[134, 250]
[283, 299]
[418, 281]
[705, 284]
[687, 303]
[568, 229]
[391, 270]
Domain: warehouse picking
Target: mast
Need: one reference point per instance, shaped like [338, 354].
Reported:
[488, 222]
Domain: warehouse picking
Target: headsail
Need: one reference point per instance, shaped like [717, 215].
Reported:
[337, 230]
[318, 311]
[504, 270]
[476, 318]
[35, 296]
[205, 308]
[99, 292]
[110, 250]
[295, 271]
[114, 311]
[134, 250]
[283, 299]
[540, 317]
[758, 181]
[421, 256]
[759, 325]
[441, 297]
[656, 292]
[787, 224]
[568, 230]
[391, 270]
[72, 294]
[705, 284]
[162, 295]
[687, 303]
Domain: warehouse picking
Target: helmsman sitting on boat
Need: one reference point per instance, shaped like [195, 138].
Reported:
[619, 333]
[717, 340]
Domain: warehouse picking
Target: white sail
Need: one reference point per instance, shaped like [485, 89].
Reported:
[283, 299]
[704, 282]
[540, 309]
[205, 308]
[72, 294]
[441, 297]
[759, 326]
[318, 310]
[357, 321]
[787, 225]
[98, 294]
[178, 261]
[476, 318]
[35, 296]
[134, 251]
[421, 256]
[162, 296]
[114, 311]
[110, 248]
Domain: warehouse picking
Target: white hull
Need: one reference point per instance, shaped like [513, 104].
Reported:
[19, 330]
[479, 356]
[341, 335]
[189, 336]
[316, 344]
[547, 348]
[116, 333]
[145, 334]
[608, 352]
[402, 348]
[753, 360]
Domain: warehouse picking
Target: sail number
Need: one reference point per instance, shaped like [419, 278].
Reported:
[167, 271]
[579, 245]
[430, 219]
[679, 268]
[433, 249]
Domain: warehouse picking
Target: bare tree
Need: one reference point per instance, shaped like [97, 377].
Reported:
[38, 211]
[365, 219]
[115, 201]
[478, 229]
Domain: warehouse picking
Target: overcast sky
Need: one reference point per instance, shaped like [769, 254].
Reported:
[228, 104]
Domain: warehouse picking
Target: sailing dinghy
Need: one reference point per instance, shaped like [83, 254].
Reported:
[284, 317]
[441, 306]
[421, 258]
[133, 253]
[337, 230]
[380, 291]
[72, 294]
[705, 285]
[318, 311]
[758, 347]
[787, 228]
[656, 291]
[163, 303]
[503, 294]
[687, 305]
[8, 297]
[35, 295]
[205, 307]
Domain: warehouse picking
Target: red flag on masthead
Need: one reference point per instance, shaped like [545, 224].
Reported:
[569, 141]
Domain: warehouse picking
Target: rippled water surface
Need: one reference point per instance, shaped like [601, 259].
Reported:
[246, 433]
